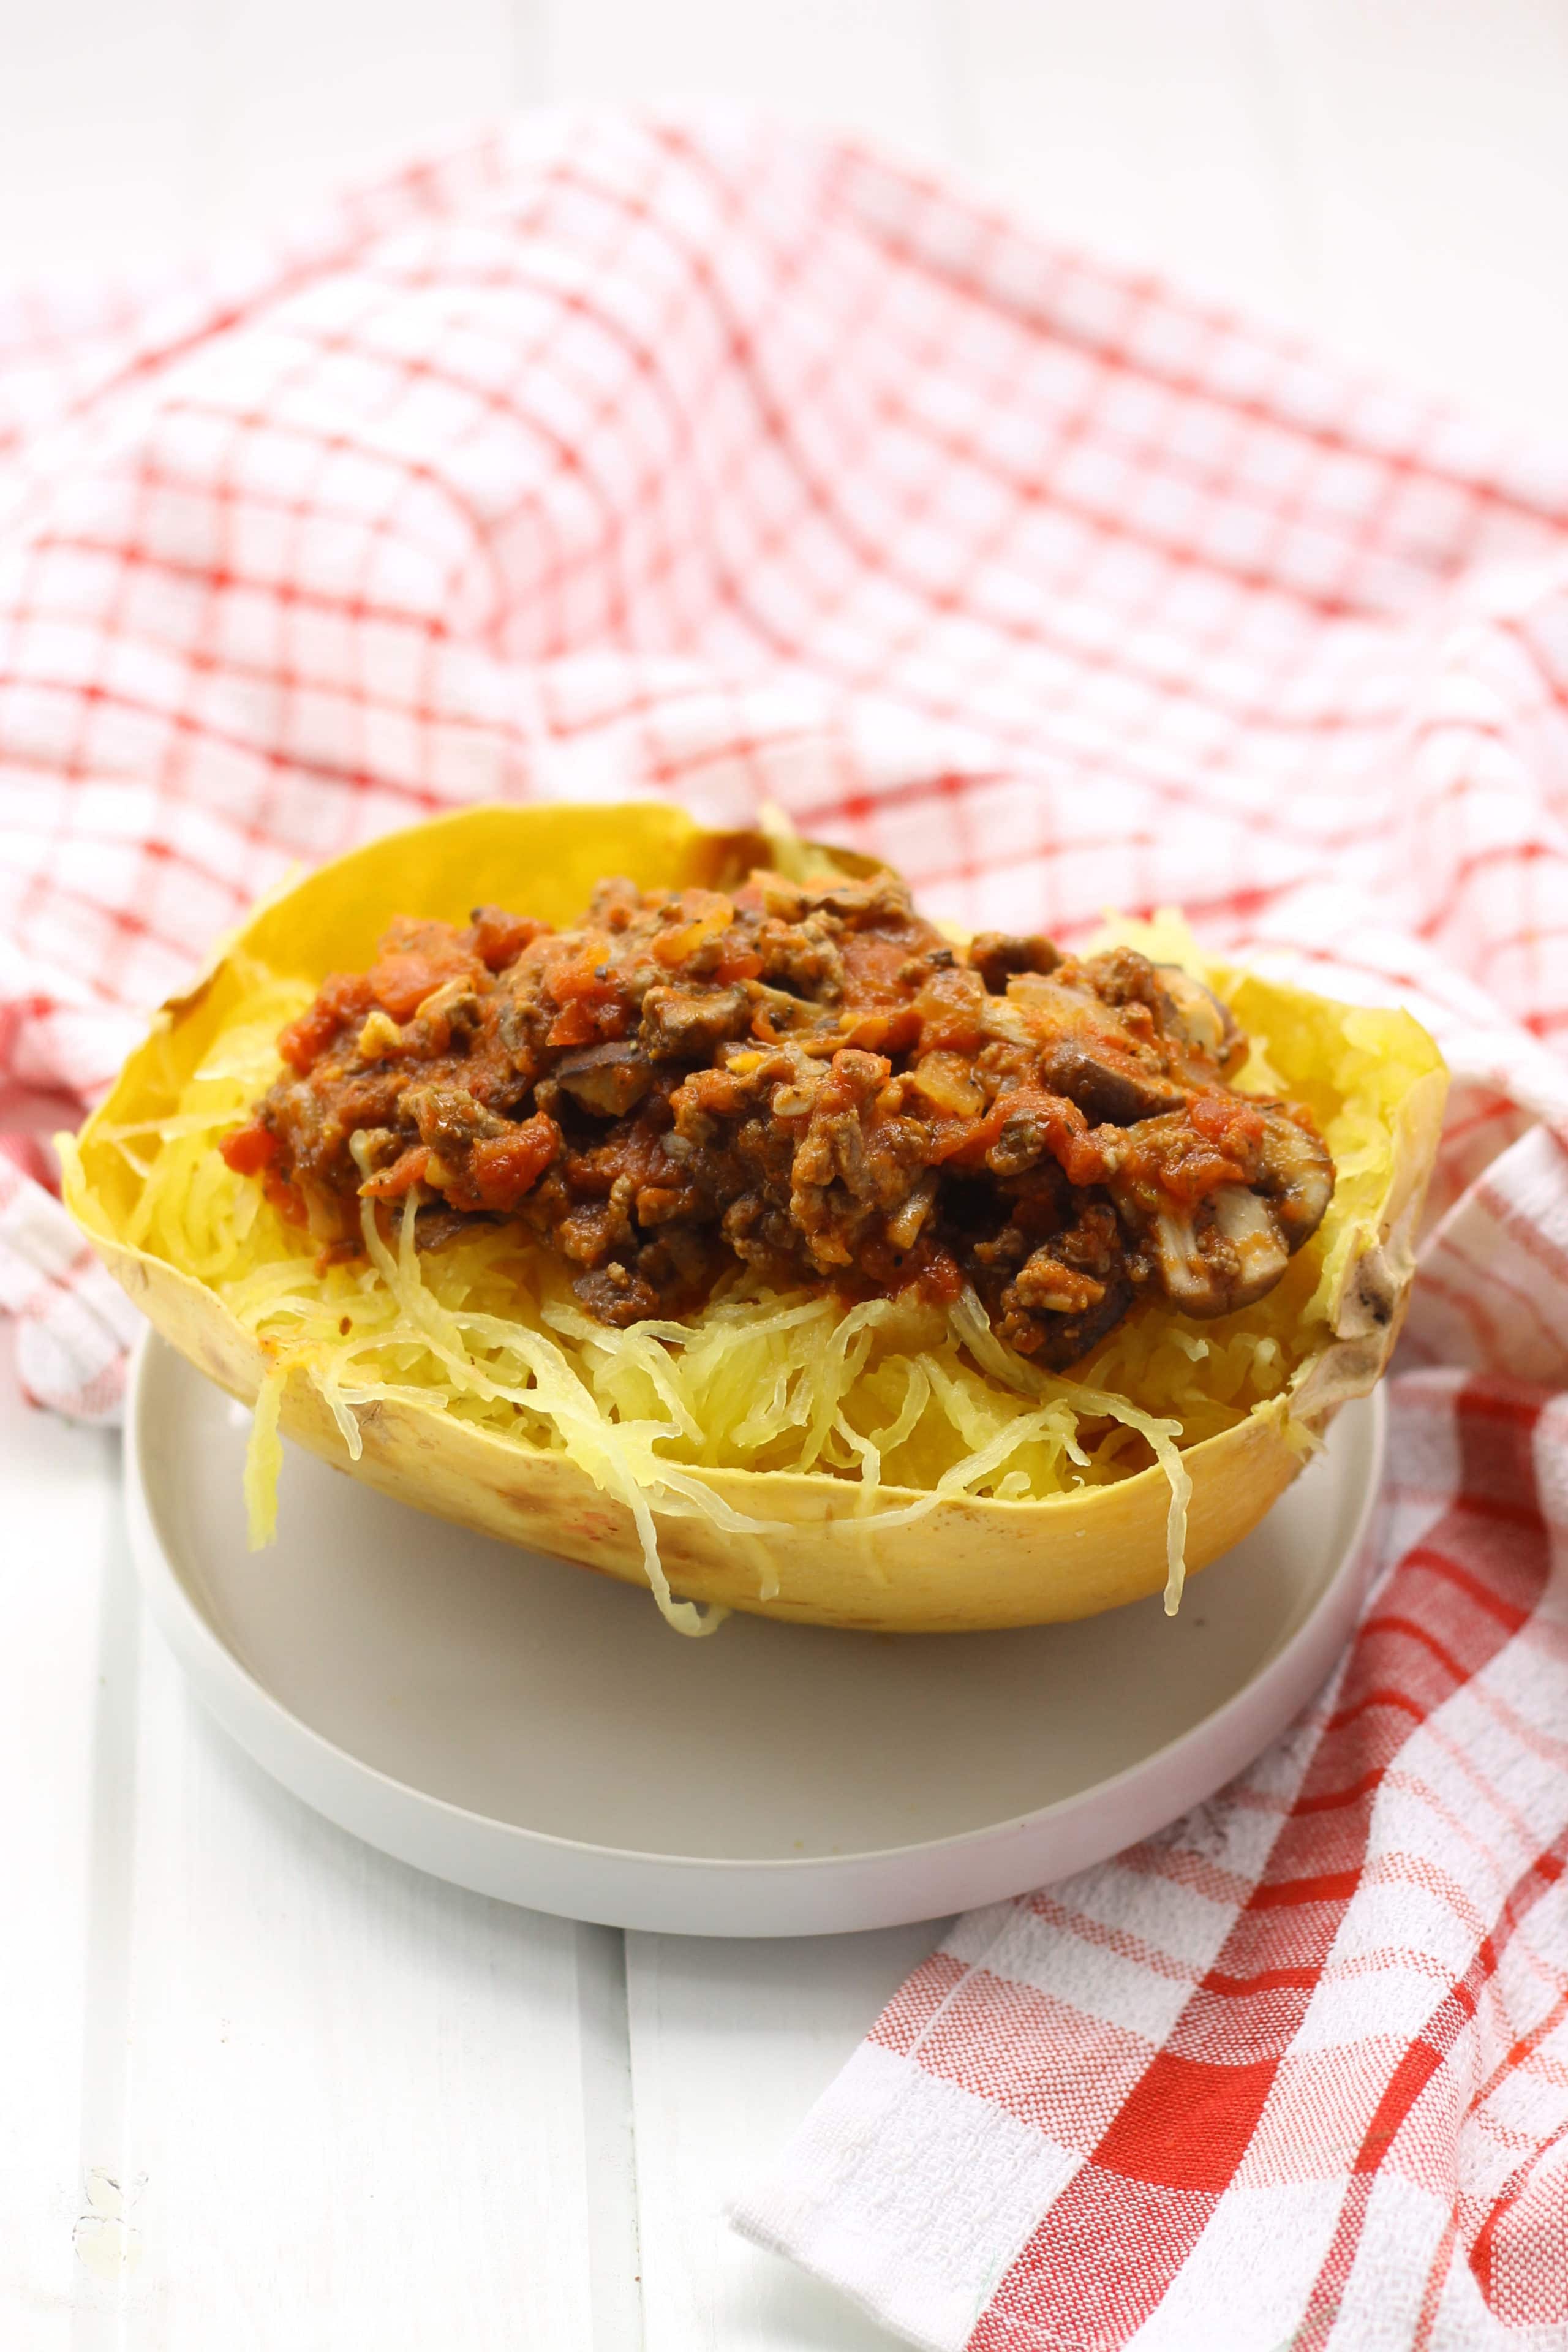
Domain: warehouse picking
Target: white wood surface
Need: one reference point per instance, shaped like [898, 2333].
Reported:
[323, 2048]
[58, 1552]
[724, 2039]
[267, 2089]
[261, 2088]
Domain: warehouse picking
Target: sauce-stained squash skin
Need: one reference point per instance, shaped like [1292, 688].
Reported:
[969, 1564]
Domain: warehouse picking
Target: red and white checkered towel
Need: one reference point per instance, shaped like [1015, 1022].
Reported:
[609, 456]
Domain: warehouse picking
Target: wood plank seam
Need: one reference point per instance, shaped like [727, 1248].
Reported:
[105, 2235]
[610, 2141]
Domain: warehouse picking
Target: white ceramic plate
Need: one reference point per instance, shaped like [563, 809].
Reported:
[536, 1733]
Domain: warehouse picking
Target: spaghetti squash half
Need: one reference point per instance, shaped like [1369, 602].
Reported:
[884, 1461]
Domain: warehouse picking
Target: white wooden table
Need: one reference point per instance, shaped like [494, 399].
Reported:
[260, 2088]
[265, 2091]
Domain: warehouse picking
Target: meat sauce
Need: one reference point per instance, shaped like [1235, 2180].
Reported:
[807, 1078]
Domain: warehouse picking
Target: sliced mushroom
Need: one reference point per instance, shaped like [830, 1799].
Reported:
[1245, 1222]
[1219, 1255]
[607, 1080]
[1199, 1020]
[997, 955]
[1191, 1261]
[1296, 1173]
[1087, 1049]
[1106, 1085]
[1231, 1248]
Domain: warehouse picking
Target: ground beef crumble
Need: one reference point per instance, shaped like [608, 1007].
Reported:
[807, 1077]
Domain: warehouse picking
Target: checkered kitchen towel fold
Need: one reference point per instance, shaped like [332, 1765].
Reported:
[608, 456]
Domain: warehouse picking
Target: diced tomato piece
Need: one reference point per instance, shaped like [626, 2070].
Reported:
[592, 1005]
[503, 1168]
[286, 1198]
[1226, 1119]
[1192, 1174]
[499, 937]
[414, 959]
[943, 1279]
[574, 1027]
[950, 1013]
[714, 1092]
[400, 984]
[580, 967]
[1064, 1132]
[583, 980]
[575, 980]
[250, 1150]
[406, 1169]
[926, 1267]
[344, 997]
[736, 962]
[872, 962]
[966, 1141]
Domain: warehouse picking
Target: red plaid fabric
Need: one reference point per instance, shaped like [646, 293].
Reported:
[1295, 2071]
[610, 456]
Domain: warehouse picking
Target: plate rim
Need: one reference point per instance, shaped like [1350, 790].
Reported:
[183, 1622]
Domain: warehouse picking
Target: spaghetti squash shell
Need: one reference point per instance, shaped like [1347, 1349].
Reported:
[965, 1565]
